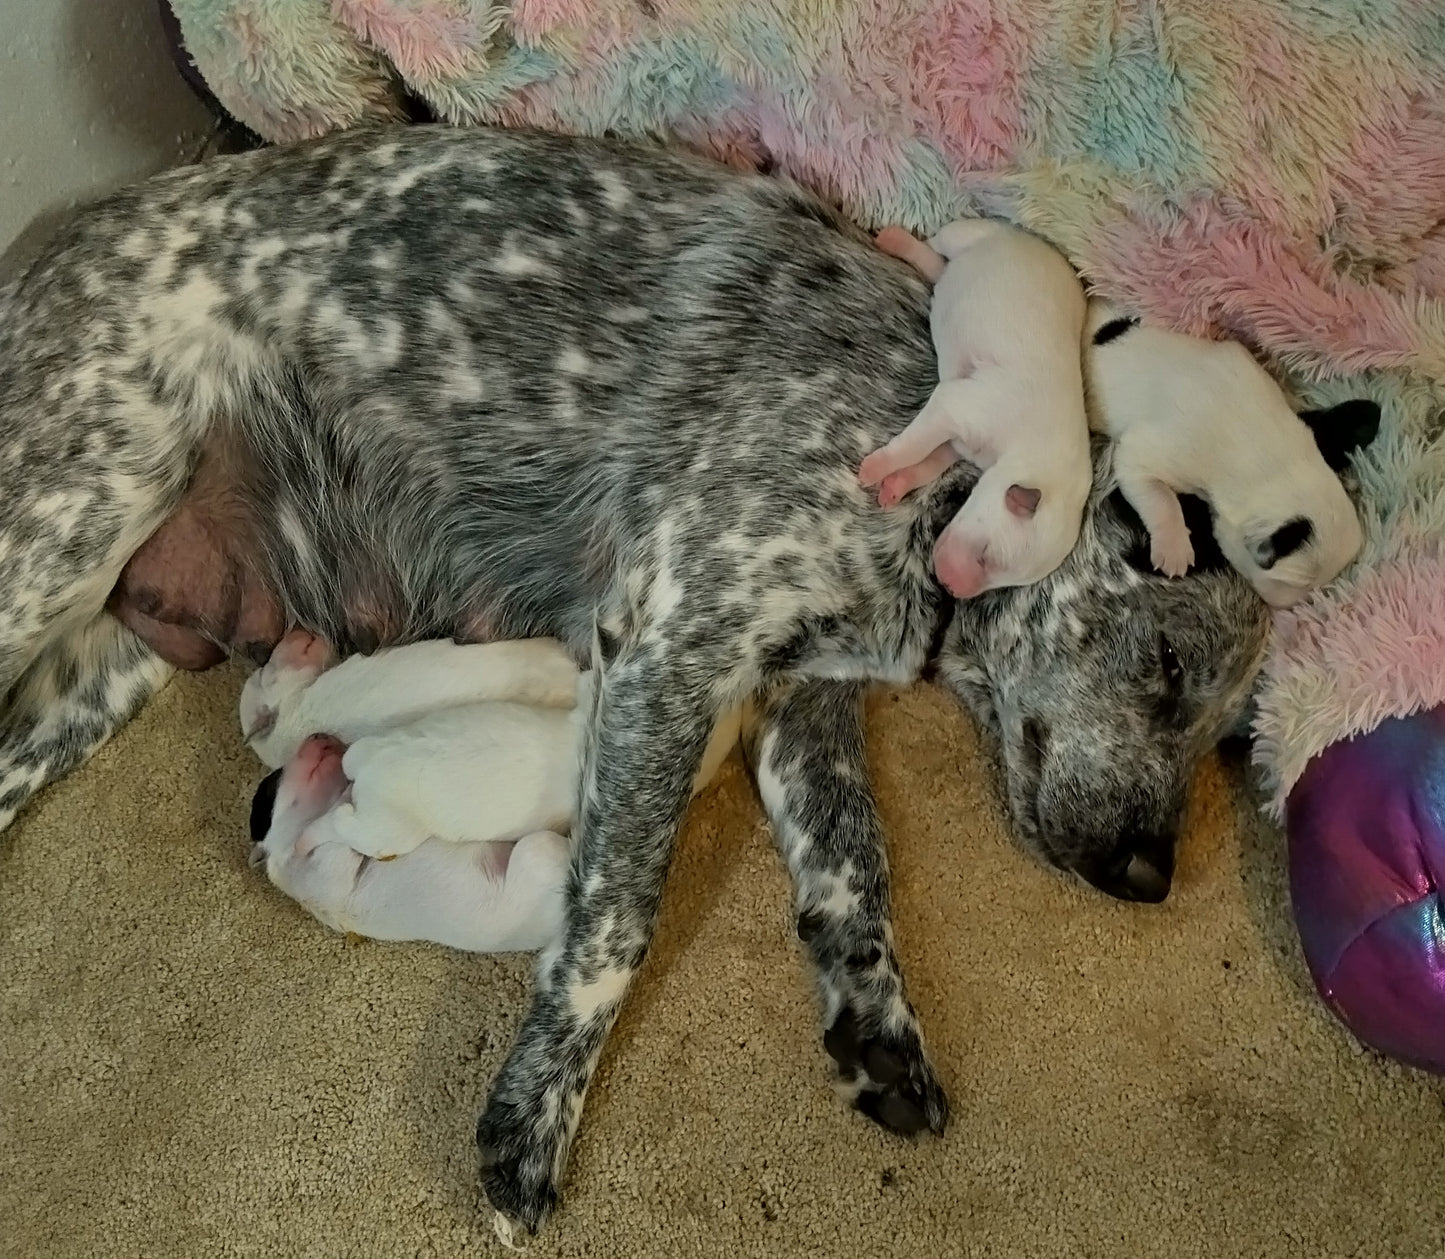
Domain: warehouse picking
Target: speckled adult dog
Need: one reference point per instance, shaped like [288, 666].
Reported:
[431, 383]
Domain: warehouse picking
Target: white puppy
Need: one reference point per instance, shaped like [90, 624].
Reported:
[1007, 316]
[1190, 416]
[485, 897]
[474, 793]
[297, 693]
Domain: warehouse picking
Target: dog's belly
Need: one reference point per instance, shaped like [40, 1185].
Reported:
[194, 594]
[219, 577]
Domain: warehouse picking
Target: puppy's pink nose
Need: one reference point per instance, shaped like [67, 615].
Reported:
[302, 649]
[319, 751]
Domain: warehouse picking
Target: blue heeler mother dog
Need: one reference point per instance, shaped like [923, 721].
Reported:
[425, 383]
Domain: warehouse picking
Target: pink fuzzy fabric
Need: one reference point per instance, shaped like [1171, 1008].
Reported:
[1272, 170]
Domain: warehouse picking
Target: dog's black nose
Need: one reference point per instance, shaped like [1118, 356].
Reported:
[1140, 869]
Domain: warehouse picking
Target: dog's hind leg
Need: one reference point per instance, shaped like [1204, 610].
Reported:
[806, 749]
[652, 715]
[80, 689]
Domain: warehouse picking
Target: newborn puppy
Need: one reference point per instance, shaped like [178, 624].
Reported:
[1189, 416]
[485, 897]
[460, 806]
[297, 692]
[1007, 317]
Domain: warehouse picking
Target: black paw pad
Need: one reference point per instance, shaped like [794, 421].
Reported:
[895, 1085]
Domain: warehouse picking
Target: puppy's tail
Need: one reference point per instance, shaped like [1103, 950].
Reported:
[898, 243]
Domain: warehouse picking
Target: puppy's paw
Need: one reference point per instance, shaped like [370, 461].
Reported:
[1171, 556]
[876, 467]
[895, 488]
[381, 842]
[887, 1075]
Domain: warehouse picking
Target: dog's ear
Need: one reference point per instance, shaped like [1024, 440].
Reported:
[1269, 548]
[1197, 517]
[263, 806]
[1342, 429]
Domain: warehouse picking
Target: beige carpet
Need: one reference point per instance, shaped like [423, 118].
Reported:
[190, 1067]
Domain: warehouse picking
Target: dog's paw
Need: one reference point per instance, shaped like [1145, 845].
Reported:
[887, 1076]
[1171, 556]
[519, 1165]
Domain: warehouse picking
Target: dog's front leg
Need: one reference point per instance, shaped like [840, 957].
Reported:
[806, 749]
[651, 720]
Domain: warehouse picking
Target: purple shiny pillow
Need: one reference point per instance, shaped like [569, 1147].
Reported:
[1366, 827]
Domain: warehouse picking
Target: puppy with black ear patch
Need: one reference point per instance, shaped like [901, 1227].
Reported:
[1190, 416]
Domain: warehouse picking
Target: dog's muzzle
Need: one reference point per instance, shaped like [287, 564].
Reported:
[1141, 868]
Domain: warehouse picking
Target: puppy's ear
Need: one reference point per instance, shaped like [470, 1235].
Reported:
[1022, 500]
[263, 806]
[1342, 429]
[263, 723]
[1113, 329]
[1269, 548]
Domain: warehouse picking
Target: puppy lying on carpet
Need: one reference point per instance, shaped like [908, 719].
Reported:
[422, 792]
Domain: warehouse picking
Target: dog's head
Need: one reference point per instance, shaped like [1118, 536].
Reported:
[1302, 537]
[1106, 683]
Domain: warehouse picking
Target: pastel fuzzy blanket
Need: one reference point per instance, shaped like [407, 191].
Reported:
[1273, 170]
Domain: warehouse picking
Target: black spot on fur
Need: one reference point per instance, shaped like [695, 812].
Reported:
[787, 654]
[1342, 429]
[822, 278]
[1114, 329]
[1283, 542]
[810, 923]
[263, 806]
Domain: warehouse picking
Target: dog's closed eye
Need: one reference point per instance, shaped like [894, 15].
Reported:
[1170, 664]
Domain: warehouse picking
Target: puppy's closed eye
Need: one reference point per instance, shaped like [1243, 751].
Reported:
[263, 723]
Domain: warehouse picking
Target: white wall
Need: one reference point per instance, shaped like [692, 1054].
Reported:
[89, 99]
